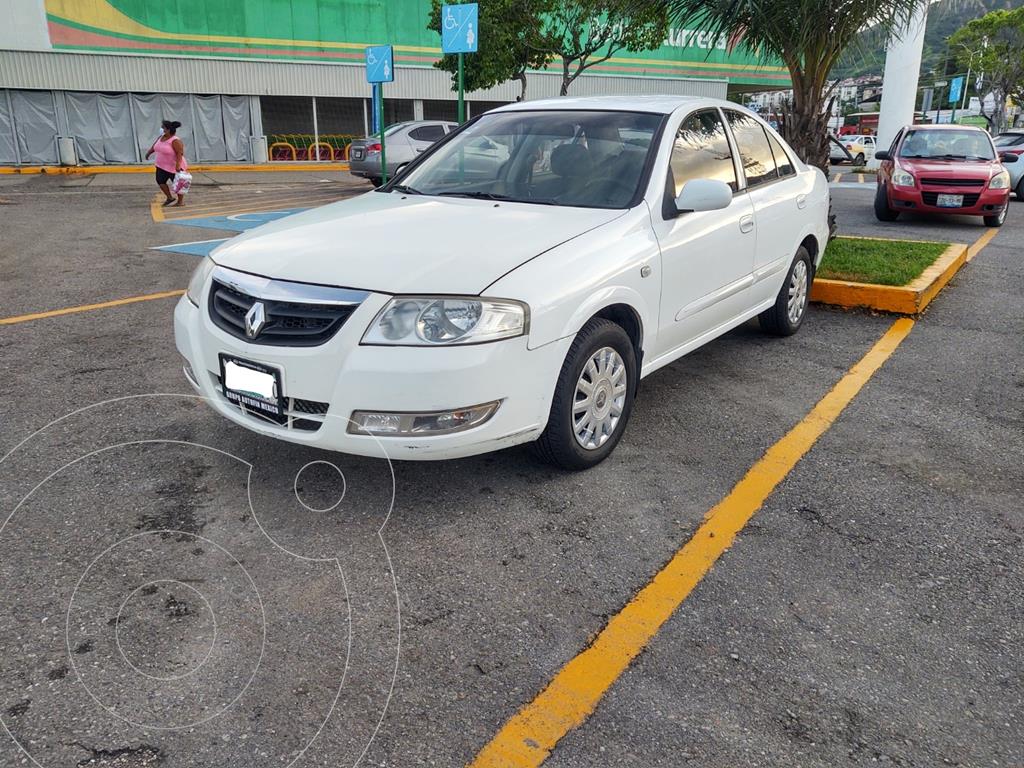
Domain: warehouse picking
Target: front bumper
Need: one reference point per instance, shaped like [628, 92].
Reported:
[347, 377]
[977, 202]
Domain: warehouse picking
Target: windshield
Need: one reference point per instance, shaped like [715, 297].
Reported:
[948, 145]
[572, 158]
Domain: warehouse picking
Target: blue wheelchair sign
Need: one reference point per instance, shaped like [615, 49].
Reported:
[380, 64]
[460, 30]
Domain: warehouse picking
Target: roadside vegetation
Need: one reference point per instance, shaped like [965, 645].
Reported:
[883, 262]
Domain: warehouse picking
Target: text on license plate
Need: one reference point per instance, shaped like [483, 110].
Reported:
[252, 385]
[949, 201]
[357, 154]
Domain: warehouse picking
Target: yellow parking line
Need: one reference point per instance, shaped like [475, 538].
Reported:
[838, 177]
[156, 209]
[980, 243]
[860, 178]
[264, 203]
[571, 696]
[260, 209]
[88, 307]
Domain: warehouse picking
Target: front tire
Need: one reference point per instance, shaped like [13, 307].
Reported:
[882, 210]
[999, 218]
[859, 159]
[787, 315]
[1020, 188]
[593, 398]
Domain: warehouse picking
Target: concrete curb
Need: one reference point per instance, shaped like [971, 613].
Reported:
[87, 170]
[910, 299]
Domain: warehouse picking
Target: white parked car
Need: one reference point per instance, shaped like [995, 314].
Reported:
[861, 148]
[451, 313]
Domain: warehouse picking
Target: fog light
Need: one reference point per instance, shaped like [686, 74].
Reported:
[423, 424]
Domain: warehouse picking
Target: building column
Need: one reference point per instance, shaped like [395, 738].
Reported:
[899, 86]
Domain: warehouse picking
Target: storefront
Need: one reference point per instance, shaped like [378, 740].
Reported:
[251, 77]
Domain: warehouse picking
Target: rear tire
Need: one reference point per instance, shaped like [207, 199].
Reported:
[999, 218]
[786, 317]
[882, 210]
[582, 427]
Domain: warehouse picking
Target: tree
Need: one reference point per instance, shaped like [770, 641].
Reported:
[993, 46]
[808, 36]
[583, 33]
[511, 43]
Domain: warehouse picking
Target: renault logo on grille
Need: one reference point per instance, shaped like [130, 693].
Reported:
[255, 319]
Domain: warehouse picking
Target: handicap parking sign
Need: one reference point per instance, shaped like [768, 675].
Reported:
[380, 64]
[459, 28]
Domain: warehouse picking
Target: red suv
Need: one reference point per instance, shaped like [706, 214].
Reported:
[943, 169]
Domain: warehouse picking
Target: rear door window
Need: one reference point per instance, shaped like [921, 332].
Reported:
[755, 151]
[782, 162]
[430, 133]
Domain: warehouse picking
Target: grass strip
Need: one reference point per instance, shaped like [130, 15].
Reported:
[884, 262]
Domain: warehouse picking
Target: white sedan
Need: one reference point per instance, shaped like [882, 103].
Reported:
[488, 298]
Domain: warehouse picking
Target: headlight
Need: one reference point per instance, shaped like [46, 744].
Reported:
[1000, 181]
[198, 279]
[901, 178]
[427, 321]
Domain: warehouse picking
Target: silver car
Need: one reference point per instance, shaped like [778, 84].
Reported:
[403, 143]
[1012, 143]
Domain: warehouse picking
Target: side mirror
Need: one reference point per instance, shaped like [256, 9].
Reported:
[703, 195]
[883, 154]
[1008, 157]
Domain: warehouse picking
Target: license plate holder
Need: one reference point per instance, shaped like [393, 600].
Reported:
[357, 154]
[257, 386]
[949, 201]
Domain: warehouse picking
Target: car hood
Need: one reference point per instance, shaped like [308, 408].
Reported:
[949, 169]
[393, 243]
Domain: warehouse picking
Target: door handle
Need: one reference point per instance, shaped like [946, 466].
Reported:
[746, 224]
[420, 150]
[801, 201]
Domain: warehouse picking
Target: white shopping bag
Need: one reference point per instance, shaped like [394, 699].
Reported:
[181, 182]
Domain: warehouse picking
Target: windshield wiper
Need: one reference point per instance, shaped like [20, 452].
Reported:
[475, 195]
[503, 198]
[405, 190]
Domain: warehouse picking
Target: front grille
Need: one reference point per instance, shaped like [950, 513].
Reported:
[953, 182]
[931, 198]
[288, 324]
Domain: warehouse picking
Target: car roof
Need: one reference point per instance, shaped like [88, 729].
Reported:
[660, 104]
[947, 127]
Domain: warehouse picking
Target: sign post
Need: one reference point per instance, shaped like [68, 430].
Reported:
[380, 69]
[939, 85]
[460, 26]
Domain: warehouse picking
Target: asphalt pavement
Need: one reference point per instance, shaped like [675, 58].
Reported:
[174, 597]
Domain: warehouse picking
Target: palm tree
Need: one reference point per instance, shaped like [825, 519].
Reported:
[808, 36]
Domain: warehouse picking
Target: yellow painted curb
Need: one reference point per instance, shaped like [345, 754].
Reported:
[910, 299]
[87, 170]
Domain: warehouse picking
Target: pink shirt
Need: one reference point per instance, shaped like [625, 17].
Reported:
[164, 152]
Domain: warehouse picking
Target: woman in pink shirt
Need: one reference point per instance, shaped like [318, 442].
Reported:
[170, 158]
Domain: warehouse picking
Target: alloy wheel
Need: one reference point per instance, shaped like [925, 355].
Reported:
[797, 292]
[599, 399]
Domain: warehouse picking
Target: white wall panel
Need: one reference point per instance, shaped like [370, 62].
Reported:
[95, 72]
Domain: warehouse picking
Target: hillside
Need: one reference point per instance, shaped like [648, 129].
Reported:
[944, 18]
